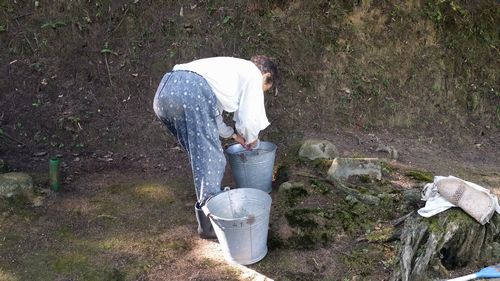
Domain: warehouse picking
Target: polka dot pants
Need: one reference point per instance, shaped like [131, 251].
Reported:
[186, 104]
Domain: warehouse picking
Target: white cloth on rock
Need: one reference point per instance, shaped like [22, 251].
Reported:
[436, 203]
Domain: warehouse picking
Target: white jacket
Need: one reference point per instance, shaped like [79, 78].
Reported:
[237, 84]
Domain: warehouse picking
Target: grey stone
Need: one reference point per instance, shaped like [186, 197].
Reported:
[412, 196]
[389, 149]
[289, 185]
[343, 168]
[12, 184]
[314, 149]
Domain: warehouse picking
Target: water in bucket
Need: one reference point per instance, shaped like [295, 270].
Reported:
[240, 218]
[254, 168]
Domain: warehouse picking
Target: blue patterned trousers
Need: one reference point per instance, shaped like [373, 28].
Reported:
[186, 104]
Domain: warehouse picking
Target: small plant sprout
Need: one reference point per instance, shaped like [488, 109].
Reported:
[54, 24]
[107, 50]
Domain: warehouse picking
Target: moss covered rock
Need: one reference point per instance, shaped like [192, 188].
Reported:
[316, 149]
[12, 184]
[430, 247]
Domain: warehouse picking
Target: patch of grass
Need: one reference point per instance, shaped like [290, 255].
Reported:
[422, 176]
[321, 164]
[274, 241]
[303, 240]
[10, 239]
[113, 243]
[314, 227]
[381, 235]
[282, 174]
[320, 186]
[7, 276]
[470, 34]
[387, 168]
[83, 258]
[294, 194]
[363, 259]
[319, 226]
[19, 207]
[71, 262]
[153, 193]
[301, 218]
[64, 232]
[230, 274]
[207, 263]
[435, 225]
[120, 203]
[116, 275]
[179, 245]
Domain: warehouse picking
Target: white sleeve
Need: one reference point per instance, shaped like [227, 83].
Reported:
[225, 131]
[251, 116]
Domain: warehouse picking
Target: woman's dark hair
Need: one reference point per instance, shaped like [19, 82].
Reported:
[265, 65]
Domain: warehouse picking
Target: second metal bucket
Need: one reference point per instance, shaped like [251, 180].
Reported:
[253, 169]
[240, 218]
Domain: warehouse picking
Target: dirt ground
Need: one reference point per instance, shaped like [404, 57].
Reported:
[77, 81]
[132, 219]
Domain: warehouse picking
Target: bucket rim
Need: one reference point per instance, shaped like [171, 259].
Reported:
[265, 209]
[215, 217]
[237, 148]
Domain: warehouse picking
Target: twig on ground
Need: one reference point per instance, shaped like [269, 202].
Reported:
[105, 216]
[121, 20]
[22, 16]
[107, 69]
[400, 220]
[3, 134]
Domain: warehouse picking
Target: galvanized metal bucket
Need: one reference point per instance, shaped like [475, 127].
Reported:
[254, 168]
[240, 218]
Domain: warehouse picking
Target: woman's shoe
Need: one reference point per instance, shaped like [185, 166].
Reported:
[205, 228]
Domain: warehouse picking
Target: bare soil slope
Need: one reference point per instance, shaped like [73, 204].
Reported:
[77, 80]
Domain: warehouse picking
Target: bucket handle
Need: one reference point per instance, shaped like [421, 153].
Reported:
[205, 209]
[250, 219]
[209, 215]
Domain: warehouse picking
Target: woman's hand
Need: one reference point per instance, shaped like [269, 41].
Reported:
[253, 145]
[239, 139]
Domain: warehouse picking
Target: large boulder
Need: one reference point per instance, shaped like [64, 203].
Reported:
[343, 168]
[12, 184]
[314, 149]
